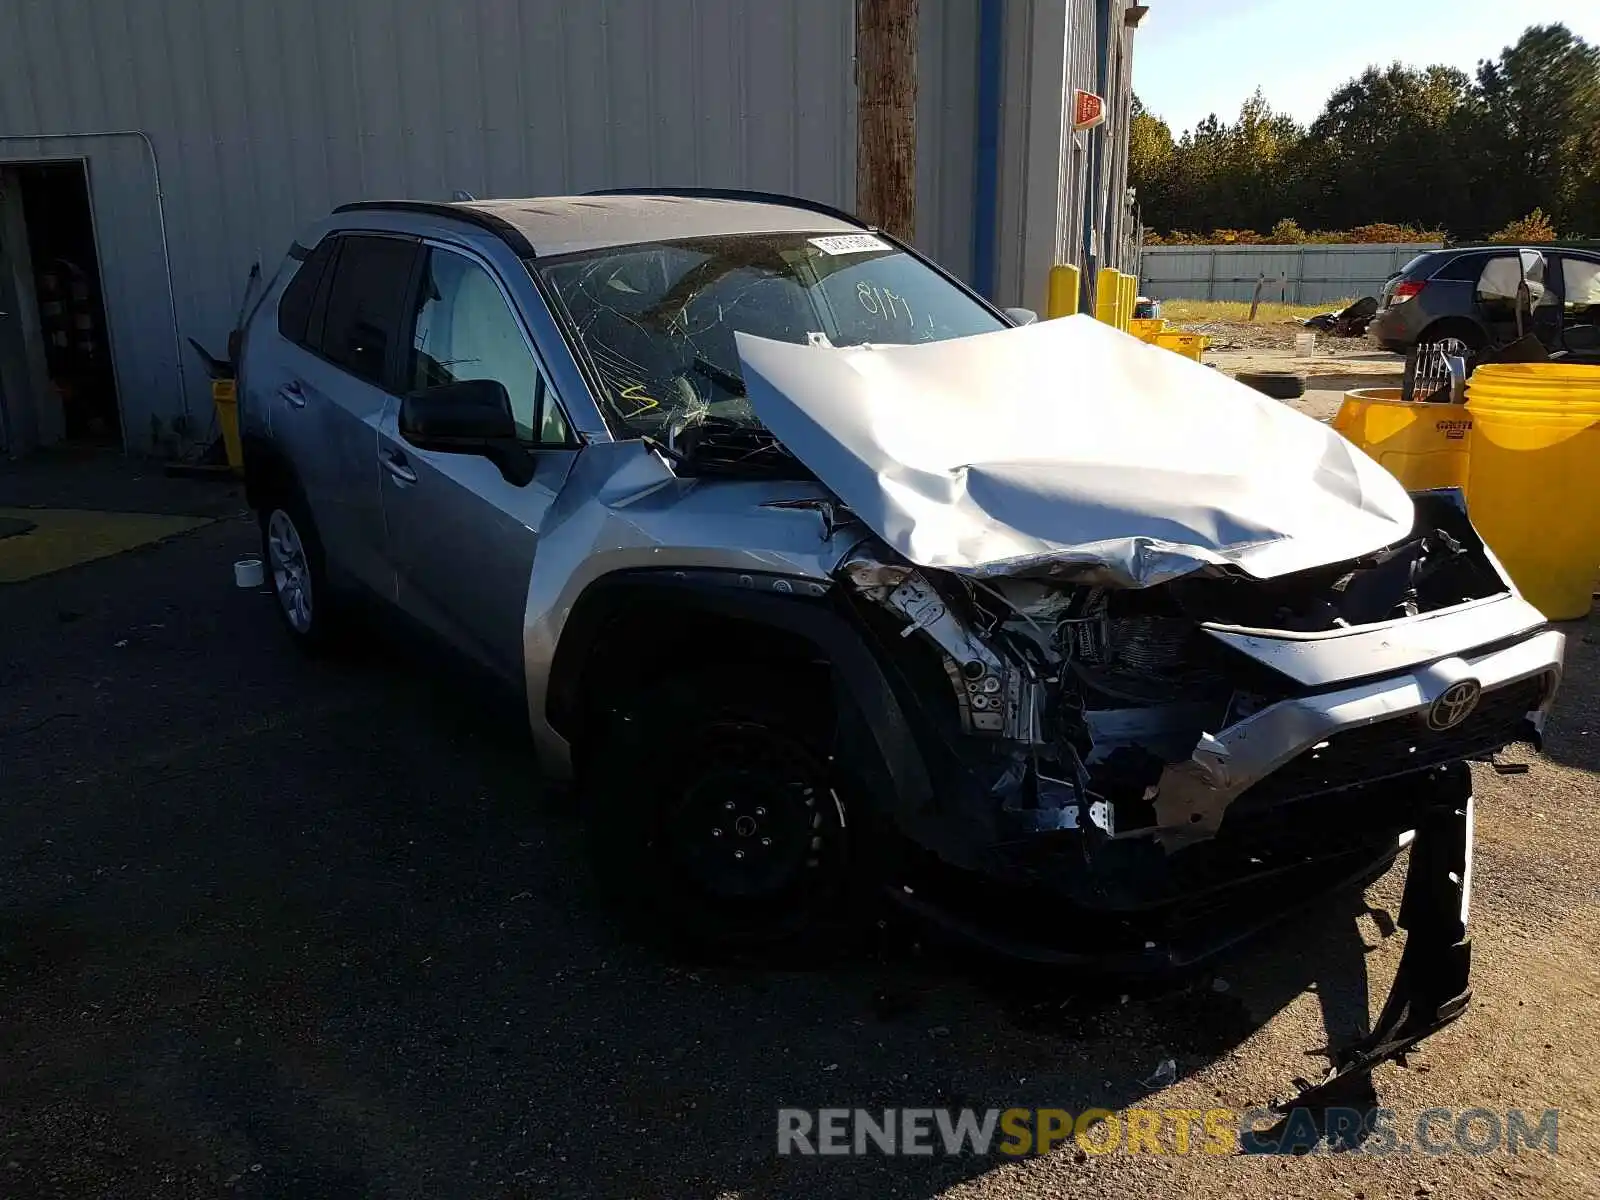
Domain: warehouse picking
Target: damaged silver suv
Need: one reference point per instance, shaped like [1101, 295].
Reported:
[815, 569]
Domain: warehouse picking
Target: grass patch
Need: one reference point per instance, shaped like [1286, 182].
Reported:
[1195, 311]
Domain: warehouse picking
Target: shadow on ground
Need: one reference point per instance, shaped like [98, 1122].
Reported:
[308, 929]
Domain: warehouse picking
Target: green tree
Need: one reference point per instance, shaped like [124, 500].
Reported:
[1150, 151]
[1538, 122]
[1386, 149]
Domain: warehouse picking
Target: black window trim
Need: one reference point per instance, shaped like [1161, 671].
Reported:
[303, 257]
[430, 242]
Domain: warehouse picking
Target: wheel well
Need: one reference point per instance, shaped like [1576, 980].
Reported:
[1468, 330]
[624, 638]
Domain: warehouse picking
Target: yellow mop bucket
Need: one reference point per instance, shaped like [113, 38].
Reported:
[1422, 445]
[1146, 328]
[224, 394]
[1190, 345]
[1534, 486]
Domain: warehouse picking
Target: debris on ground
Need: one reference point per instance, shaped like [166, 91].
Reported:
[1349, 322]
[1165, 1075]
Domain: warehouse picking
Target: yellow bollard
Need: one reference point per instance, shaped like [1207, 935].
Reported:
[1106, 289]
[1062, 300]
[1130, 301]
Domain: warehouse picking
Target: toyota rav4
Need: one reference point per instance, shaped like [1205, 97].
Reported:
[816, 570]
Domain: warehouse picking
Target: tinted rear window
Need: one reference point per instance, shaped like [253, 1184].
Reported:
[1419, 267]
[1464, 268]
[294, 310]
[363, 317]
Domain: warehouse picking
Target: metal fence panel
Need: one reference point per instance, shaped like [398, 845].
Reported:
[1294, 274]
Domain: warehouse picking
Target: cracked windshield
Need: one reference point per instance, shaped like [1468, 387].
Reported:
[658, 320]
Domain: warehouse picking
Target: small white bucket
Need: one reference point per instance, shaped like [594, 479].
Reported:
[247, 573]
[1305, 343]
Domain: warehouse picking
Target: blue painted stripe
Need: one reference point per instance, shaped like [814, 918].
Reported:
[986, 167]
[1097, 140]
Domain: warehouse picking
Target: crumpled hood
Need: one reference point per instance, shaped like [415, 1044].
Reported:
[1069, 449]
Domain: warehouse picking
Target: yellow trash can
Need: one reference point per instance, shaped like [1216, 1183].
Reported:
[1534, 486]
[224, 395]
[1190, 345]
[1422, 445]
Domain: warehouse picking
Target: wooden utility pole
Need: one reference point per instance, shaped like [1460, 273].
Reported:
[886, 116]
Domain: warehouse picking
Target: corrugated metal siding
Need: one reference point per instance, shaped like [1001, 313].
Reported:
[1313, 274]
[1082, 67]
[947, 130]
[1032, 164]
[265, 116]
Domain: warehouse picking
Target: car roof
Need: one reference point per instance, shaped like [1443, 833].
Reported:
[1513, 247]
[546, 226]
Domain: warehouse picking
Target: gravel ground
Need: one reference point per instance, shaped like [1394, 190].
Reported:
[274, 927]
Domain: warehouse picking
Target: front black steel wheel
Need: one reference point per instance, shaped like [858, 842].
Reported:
[717, 820]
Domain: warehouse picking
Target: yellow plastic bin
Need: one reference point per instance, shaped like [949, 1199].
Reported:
[1146, 328]
[1534, 486]
[1190, 345]
[224, 395]
[1422, 445]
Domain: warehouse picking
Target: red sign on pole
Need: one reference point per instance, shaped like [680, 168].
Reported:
[1088, 110]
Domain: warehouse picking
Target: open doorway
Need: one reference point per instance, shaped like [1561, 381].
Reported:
[67, 390]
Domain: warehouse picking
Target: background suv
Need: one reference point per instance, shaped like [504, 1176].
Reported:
[1469, 293]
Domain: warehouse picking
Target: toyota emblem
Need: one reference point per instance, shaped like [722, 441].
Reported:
[1454, 705]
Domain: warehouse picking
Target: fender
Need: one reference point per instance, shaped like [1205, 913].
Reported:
[874, 732]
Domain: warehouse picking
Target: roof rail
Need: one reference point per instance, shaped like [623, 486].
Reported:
[749, 197]
[496, 225]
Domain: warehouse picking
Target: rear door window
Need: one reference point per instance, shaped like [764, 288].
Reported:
[1464, 268]
[362, 322]
[1580, 283]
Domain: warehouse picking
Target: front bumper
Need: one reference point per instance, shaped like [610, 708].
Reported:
[1315, 744]
[1304, 797]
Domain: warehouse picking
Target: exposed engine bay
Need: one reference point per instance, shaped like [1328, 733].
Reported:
[1105, 703]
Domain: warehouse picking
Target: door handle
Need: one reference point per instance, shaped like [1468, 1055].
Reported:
[395, 463]
[291, 392]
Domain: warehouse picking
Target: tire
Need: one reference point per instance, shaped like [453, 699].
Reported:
[291, 554]
[1280, 385]
[717, 822]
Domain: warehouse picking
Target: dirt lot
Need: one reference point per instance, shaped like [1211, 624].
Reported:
[1336, 366]
[275, 927]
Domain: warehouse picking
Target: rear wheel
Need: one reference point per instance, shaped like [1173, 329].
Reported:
[292, 554]
[1427, 372]
[717, 819]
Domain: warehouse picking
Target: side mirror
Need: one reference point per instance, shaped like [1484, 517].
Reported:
[458, 417]
[470, 417]
[1021, 316]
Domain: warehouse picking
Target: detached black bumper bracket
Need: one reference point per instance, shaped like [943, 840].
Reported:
[1431, 987]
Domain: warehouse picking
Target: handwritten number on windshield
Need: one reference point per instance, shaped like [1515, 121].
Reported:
[881, 302]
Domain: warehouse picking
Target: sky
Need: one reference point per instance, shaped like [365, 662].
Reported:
[1195, 57]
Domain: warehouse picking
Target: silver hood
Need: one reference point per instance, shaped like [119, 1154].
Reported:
[1069, 449]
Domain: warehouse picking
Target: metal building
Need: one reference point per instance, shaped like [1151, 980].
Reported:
[154, 154]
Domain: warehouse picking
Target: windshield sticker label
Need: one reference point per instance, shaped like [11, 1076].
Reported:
[849, 243]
